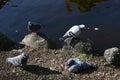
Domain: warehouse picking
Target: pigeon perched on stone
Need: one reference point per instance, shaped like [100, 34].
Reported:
[20, 60]
[75, 65]
[33, 27]
[73, 32]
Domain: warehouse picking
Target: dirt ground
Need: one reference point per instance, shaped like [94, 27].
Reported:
[49, 65]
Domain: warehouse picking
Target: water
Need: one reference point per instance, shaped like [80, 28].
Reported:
[57, 16]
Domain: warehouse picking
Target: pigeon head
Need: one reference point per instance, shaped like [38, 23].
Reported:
[70, 63]
[29, 23]
[82, 26]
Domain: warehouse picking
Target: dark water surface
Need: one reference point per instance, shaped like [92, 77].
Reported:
[57, 16]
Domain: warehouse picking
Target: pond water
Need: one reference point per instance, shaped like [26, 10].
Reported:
[57, 16]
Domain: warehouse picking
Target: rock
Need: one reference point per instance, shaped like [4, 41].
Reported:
[14, 50]
[112, 55]
[6, 43]
[13, 71]
[20, 50]
[38, 41]
[96, 29]
[78, 45]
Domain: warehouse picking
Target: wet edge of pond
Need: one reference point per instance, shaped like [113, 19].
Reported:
[2, 3]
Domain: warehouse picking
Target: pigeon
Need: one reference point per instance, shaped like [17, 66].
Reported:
[20, 60]
[33, 27]
[75, 65]
[74, 31]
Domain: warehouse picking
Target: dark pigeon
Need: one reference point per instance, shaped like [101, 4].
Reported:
[33, 27]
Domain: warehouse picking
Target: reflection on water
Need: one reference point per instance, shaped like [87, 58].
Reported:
[82, 5]
[2, 2]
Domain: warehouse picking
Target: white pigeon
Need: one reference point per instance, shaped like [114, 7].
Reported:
[19, 60]
[73, 32]
[76, 65]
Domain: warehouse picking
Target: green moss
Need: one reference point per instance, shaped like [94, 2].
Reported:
[83, 56]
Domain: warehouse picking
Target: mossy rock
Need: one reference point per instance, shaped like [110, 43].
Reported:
[79, 45]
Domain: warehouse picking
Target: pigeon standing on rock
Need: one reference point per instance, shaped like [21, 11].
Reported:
[75, 65]
[32, 27]
[20, 60]
[73, 32]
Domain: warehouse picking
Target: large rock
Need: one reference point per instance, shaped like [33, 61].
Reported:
[6, 43]
[38, 40]
[112, 55]
[78, 45]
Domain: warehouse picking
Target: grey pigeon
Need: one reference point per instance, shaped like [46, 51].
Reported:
[74, 31]
[75, 65]
[20, 60]
[33, 27]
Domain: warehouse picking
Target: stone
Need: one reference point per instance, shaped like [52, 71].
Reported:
[38, 41]
[78, 45]
[112, 55]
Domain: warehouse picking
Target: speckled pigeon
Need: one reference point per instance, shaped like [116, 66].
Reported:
[75, 65]
[20, 60]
